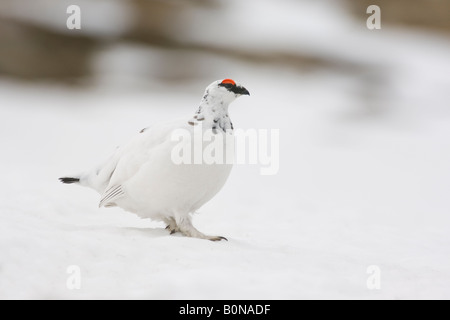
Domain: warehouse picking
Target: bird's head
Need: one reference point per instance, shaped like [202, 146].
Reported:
[225, 90]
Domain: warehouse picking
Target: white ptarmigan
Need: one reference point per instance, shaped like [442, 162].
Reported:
[141, 177]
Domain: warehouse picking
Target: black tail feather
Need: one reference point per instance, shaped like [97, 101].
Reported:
[69, 180]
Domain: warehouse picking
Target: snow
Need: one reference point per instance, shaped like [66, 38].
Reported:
[363, 180]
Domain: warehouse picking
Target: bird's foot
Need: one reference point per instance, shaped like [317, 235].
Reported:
[171, 225]
[216, 238]
[184, 225]
[172, 229]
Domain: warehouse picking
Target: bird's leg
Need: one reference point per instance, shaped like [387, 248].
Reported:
[185, 227]
[171, 225]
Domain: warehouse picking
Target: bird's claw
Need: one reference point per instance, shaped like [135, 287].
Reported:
[218, 238]
[171, 229]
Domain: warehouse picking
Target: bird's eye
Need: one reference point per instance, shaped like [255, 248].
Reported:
[226, 85]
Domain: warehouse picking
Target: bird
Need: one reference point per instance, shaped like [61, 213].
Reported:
[142, 178]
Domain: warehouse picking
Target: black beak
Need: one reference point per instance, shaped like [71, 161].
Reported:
[240, 90]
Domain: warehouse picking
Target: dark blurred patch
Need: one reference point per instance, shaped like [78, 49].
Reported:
[156, 21]
[32, 52]
[430, 14]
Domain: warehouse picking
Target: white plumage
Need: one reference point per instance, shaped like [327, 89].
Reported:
[141, 177]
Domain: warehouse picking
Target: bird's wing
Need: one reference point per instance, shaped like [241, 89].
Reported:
[128, 159]
[111, 195]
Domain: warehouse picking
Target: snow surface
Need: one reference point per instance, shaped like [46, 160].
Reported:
[364, 180]
[348, 195]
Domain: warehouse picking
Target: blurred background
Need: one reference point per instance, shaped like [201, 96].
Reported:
[147, 41]
[364, 119]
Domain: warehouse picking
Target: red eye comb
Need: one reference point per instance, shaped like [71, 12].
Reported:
[229, 81]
